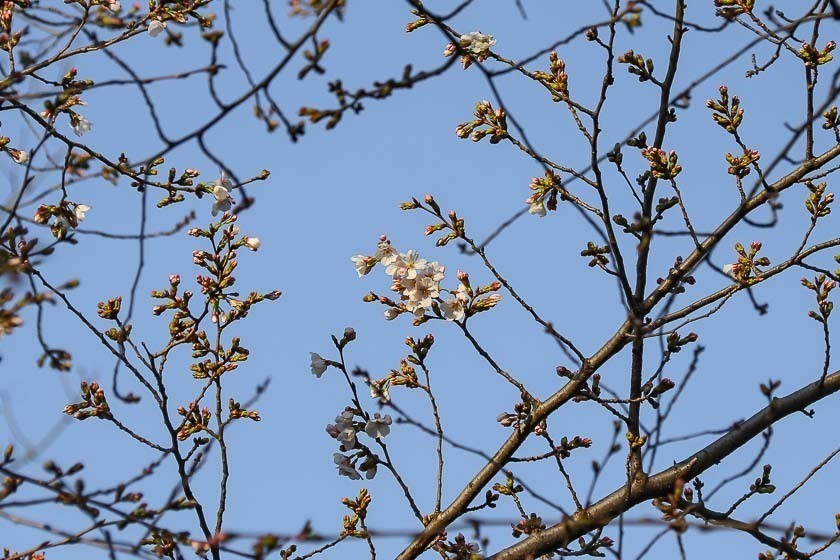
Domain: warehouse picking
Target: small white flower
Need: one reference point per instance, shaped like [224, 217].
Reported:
[363, 264]
[462, 292]
[406, 265]
[20, 156]
[156, 27]
[114, 5]
[368, 466]
[435, 271]
[391, 313]
[421, 292]
[346, 430]
[253, 243]
[80, 211]
[476, 42]
[61, 222]
[318, 364]
[347, 437]
[345, 468]
[453, 309]
[80, 124]
[343, 430]
[221, 192]
[537, 208]
[378, 426]
[385, 253]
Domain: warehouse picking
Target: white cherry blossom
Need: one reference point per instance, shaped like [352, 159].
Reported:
[435, 271]
[537, 208]
[406, 265]
[80, 211]
[421, 292]
[156, 27]
[453, 309]
[477, 42]
[385, 253]
[343, 430]
[318, 364]
[363, 264]
[368, 466]
[345, 468]
[19, 156]
[80, 124]
[378, 426]
[221, 192]
[346, 431]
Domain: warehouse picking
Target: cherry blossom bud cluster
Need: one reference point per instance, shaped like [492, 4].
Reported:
[638, 65]
[739, 166]
[662, 165]
[822, 287]
[726, 111]
[195, 420]
[556, 78]
[93, 404]
[730, 9]
[236, 411]
[494, 123]
[814, 57]
[818, 203]
[544, 196]
[748, 267]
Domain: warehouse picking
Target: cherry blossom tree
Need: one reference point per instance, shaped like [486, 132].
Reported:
[674, 220]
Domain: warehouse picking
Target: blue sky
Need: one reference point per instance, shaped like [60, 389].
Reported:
[334, 193]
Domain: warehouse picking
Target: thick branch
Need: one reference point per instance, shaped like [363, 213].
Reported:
[603, 512]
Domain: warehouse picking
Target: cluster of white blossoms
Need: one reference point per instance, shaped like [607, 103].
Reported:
[416, 280]
[473, 46]
[476, 42]
[346, 431]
